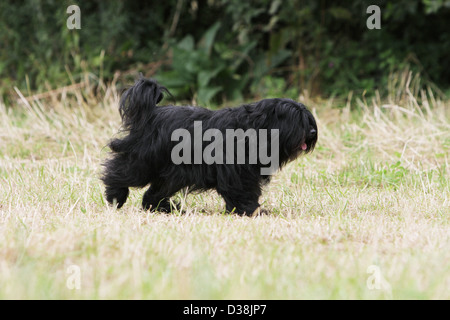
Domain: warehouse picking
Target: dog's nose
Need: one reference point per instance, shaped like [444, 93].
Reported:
[312, 132]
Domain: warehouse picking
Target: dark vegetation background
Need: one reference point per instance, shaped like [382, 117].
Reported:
[214, 51]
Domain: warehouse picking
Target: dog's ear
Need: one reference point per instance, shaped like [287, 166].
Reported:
[160, 94]
[259, 120]
[264, 113]
[160, 97]
[284, 109]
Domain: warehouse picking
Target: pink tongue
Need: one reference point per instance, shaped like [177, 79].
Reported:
[304, 146]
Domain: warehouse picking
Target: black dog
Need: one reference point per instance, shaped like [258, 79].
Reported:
[146, 155]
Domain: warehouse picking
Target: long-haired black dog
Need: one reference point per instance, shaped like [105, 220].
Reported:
[144, 156]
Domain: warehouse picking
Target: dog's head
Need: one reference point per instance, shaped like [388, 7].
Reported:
[297, 127]
[309, 130]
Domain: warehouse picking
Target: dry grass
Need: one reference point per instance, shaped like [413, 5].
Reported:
[365, 216]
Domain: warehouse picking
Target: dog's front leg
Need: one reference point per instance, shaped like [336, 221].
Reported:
[241, 202]
[242, 206]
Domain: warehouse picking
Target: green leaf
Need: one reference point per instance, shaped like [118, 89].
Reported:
[274, 6]
[208, 38]
[279, 57]
[187, 43]
[206, 94]
[205, 76]
[340, 13]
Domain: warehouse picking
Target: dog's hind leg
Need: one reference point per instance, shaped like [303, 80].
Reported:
[153, 201]
[117, 195]
[117, 181]
[157, 197]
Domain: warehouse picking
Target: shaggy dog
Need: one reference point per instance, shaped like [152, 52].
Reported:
[226, 150]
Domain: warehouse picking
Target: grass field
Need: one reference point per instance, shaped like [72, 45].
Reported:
[366, 216]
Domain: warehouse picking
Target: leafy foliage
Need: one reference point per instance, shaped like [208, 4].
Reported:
[207, 68]
[212, 68]
[225, 49]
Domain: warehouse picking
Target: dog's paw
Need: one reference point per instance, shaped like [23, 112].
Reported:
[116, 196]
[163, 207]
[260, 212]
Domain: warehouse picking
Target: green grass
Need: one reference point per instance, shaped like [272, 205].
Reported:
[374, 195]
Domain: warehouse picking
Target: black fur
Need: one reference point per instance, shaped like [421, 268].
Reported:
[143, 155]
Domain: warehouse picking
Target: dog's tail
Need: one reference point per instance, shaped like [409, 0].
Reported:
[138, 103]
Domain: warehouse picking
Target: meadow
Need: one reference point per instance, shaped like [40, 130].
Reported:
[365, 216]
